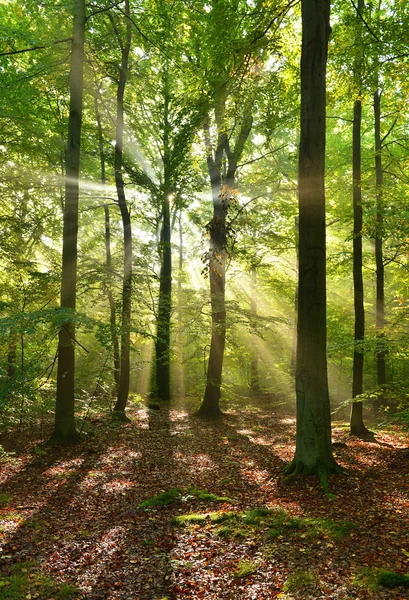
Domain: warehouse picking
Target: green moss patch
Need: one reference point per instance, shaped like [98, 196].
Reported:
[371, 579]
[24, 582]
[162, 499]
[272, 523]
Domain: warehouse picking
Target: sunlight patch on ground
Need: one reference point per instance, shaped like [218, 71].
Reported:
[117, 486]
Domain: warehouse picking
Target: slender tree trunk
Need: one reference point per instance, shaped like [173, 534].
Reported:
[254, 377]
[181, 380]
[108, 259]
[123, 389]
[294, 346]
[380, 271]
[12, 354]
[313, 440]
[64, 426]
[222, 187]
[357, 426]
[162, 370]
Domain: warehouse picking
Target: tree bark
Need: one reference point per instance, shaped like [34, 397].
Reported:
[123, 388]
[313, 453]
[162, 370]
[108, 259]
[254, 377]
[64, 425]
[222, 186]
[357, 426]
[380, 271]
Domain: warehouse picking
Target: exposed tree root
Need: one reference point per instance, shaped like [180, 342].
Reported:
[209, 413]
[322, 471]
[120, 416]
[59, 439]
[362, 432]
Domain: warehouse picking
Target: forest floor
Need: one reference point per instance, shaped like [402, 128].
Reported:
[221, 523]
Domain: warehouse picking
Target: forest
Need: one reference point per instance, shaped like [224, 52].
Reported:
[204, 306]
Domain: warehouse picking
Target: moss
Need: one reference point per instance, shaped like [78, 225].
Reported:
[190, 518]
[162, 499]
[24, 582]
[390, 579]
[207, 496]
[245, 568]
[5, 499]
[300, 580]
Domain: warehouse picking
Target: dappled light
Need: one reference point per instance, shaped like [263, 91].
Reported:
[204, 241]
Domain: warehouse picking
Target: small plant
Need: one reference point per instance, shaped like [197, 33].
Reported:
[245, 568]
[300, 580]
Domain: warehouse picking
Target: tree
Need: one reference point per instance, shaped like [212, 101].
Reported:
[356, 423]
[123, 387]
[64, 426]
[313, 454]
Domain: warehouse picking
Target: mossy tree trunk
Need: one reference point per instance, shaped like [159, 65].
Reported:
[64, 425]
[313, 453]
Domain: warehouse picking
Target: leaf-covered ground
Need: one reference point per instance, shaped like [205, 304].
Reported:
[219, 522]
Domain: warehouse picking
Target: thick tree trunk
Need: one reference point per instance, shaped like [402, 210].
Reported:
[380, 271]
[254, 378]
[357, 426]
[123, 389]
[162, 371]
[108, 259]
[313, 453]
[64, 426]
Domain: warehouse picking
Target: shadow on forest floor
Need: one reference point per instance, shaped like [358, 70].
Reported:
[220, 524]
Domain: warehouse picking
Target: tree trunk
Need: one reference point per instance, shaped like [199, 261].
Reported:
[123, 389]
[210, 405]
[12, 354]
[357, 426]
[293, 365]
[380, 272]
[64, 425]
[313, 453]
[162, 370]
[108, 259]
[222, 187]
[181, 378]
[254, 378]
